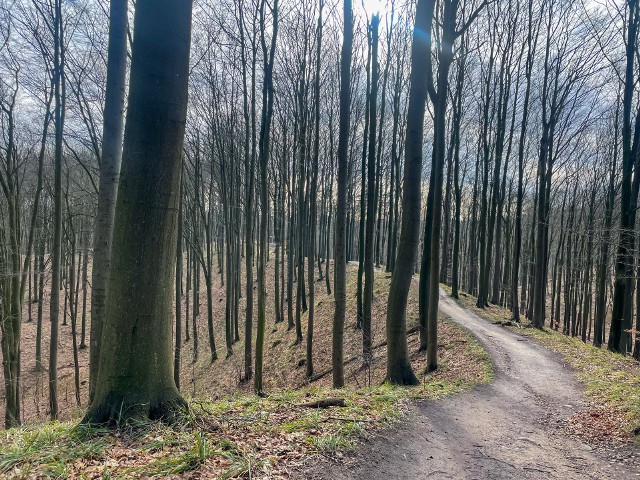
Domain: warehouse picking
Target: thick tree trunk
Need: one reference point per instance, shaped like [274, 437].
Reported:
[135, 378]
[540, 280]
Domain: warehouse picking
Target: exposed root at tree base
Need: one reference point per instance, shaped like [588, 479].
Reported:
[116, 411]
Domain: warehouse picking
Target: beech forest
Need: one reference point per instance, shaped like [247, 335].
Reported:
[320, 239]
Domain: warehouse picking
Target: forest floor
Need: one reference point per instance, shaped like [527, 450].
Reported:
[535, 420]
[229, 432]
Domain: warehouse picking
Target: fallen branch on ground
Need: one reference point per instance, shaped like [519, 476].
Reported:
[326, 403]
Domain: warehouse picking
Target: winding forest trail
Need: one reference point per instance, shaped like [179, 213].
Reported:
[507, 429]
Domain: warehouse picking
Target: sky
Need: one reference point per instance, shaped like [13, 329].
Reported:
[374, 6]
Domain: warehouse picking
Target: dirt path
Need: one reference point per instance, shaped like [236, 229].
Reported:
[508, 429]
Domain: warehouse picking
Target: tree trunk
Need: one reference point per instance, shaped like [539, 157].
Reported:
[54, 306]
[603, 261]
[439, 99]
[340, 253]
[109, 175]
[41, 266]
[178, 335]
[313, 201]
[457, 182]
[399, 369]
[369, 244]
[363, 192]
[135, 378]
[622, 295]
[265, 132]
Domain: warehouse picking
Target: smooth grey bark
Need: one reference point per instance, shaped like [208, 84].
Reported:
[340, 254]
[110, 161]
[313, 200]
[59, 114]
[430, 264]
[363, 191]
[135, 377]
[369, 242]
[399, 369]
[268, 52]
[177, 353]
[517, 248]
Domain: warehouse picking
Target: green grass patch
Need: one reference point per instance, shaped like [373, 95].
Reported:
[50, 447]
[610, 379]
[184, 462]
[330, 443]
[238, 436]
[226, 433]
[475, 350]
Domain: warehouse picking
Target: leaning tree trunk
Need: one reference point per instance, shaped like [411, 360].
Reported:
[135, 377]
[398, 365]
[109, 174]
[439, 98]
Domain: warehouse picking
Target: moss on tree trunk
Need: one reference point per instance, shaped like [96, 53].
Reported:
[135, 375]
